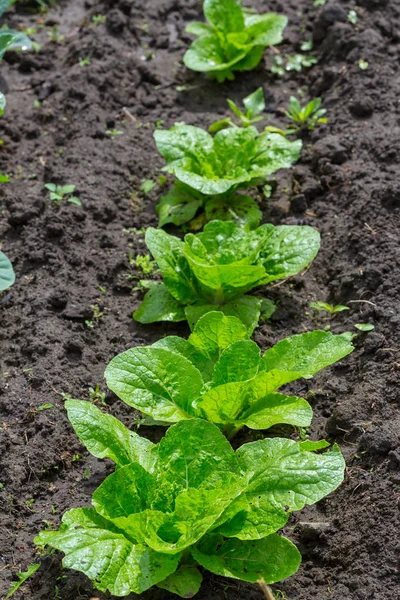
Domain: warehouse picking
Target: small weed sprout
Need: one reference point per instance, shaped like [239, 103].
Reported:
[291, 62]
[22, 577]
[146, 186]
[84, 62]
[144, 263]
[99, 19]
[352, 17]
[55, 36]
[113, 133]
[310, 115]
[96, 395]
[254, 104]
[329, 308]
[58, 193]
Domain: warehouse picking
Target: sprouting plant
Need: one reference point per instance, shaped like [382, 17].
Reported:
[147, 185]
[22, 577]
[291, 62]
[310, 115]
[55, 36]
[7, 275]
[211, 170]
[96, 395]
[319, 3]
[363, 64]
[217, 267]
[352, 17]
[332, 309]
[254, 104]
[365, 327]
[233, 39]
[218, 374]
[188, 503]
[144, 263]
[113, 133]
[84, 62]
[58, 193]
[99, 19]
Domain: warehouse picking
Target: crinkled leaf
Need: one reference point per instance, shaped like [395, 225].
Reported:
[240, 208]
[267, 29]
[214, 332]
[181, 346]
[273, 558]
[157, 382]
[7, 275]
[306, 354]
[246, 309]
[179, 205]
[226, 16]
[159, 305]
[281, 478]
[207, 54]
[238, 362]
[287, 249]
[185, 582]
[106, 437]
[94, 546]
[167, 251]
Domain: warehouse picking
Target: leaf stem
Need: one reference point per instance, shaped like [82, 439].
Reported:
[267, 592]
[231, 430]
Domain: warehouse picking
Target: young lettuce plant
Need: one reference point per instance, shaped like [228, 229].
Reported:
[214, 269]
[309, 116]
[219, 375]
[210, 171]
[188, 504]
[7, 275]
[232, 39]
[254, 104]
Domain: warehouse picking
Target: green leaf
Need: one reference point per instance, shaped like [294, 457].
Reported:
[287, 249]
[267, 309]
[4, 178]
[179, 205]
[281, 478]
[159, 305]
[106, 437]
[265, 30]
[239, 361]
[184, 348]
[24, 575]
[7, 38]
[7, 275]
[207, 54]
[185, 582]
[254, 103]
[198, 28]
[305, 354]
[3, 103]
[273, 558]
[364, 326]
[4, 4]
[75, 200]
[50, 186]
[239, 208]
[225, 16]
[93, 546]
[157, 382]
[67, 189]
[246, 309]
[214, 332]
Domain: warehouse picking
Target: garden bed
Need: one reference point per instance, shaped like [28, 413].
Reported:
[69, 259]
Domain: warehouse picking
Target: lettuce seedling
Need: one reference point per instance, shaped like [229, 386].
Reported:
[59, 192]
[232, 39]
[219, 375]
[186, 504]
[7, 275]
[254, 104]
[214, 269]
[310, 115]
[210, 170]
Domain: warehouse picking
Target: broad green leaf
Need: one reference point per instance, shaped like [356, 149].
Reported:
[167, 251]
[7, 37]
[267, 29]
[7, 275]
[214, 332]
[207, 54]
[198, 28]
[159, 305]
[184, 348]
[240, 361]
[24, 575]
[246, 309]
[3, 103]
[306, 354]
[281, 478]
[106, 437]
[94, 546]
[272, 152]
[311, 446]
[20, 41]
[178, 206]
[287, 249]
[272, 559]
[185, 582]
[183, 142]
[255, 103]
[225, 16]
[239, 208]
[157, 382]
[4, 4]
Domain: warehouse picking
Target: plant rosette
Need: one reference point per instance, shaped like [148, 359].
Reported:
[214, 270]
[210, 170]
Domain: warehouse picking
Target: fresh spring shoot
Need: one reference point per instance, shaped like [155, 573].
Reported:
[291, 62]
[308, 116]
[214, 269]
[219, 375]
[7, 275]
[58, 193]
[188, 503]
[254, 104]
[210, 170]
[332, 309]
[233, 39]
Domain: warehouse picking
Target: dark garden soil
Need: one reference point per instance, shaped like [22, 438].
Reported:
[68, 259]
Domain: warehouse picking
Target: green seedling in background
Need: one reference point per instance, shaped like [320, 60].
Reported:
[329, 308]
[22, 577]
[306, 116]
[291, 62]
[58, 193]
[254, 105]
[113, 133]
